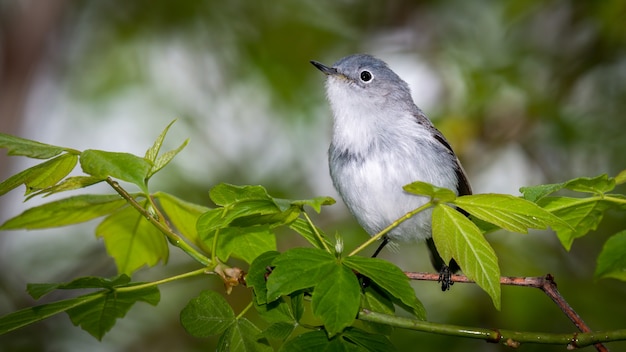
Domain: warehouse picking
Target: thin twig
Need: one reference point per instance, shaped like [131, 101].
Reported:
[544, 283]
[172, 237]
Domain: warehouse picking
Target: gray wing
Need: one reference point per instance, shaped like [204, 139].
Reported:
[463, 186]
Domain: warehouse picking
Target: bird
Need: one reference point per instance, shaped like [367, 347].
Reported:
[381, 141]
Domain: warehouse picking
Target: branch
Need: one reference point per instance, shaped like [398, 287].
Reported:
[507, 337]
[545, 283]
[171, 236]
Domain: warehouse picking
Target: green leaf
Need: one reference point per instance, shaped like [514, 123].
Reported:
[123, 166]
[218, 218]
[153, 151]
[27, 316]
[336, 299]
[534, 193]
[165, 159]
[183, 216]
[256, 277]
[457, 237]
[42, 175]
[69, 184]
[444, 195]
[96, 312]
[315, 203]
[207, 314]
[390, 278]
[596, 185]
[612, 261]
[242, 337]
[226, 194]
[378, 300]
[508, 212]
[581, 214]
[368, 341]
[132, 241]
[297, 269]
[64, 212]
[30, 148]
[313, 341]
[97, 317]
[278, 331]
[304, 228]
[38, 290]
[620, 178]
[245, 243]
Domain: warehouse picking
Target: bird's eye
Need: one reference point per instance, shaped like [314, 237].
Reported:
[366, 76]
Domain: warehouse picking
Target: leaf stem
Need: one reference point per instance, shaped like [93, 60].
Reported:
[379, 235]
[317, 233]
[507, 337]
[244, 310]
[163, 281]
[173, 238]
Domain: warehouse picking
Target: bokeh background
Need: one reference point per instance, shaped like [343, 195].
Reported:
[526, 91]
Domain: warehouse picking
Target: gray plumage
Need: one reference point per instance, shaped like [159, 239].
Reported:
[382, 141]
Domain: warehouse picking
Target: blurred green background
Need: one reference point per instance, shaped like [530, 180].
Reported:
[526, 91]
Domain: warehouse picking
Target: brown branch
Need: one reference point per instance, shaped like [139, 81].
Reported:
[544, 283]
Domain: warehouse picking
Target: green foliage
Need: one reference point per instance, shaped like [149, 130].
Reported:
[309, 298]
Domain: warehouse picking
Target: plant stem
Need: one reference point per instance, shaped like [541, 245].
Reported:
[171, 236]
[317, 234]
[379, 235]
[164, 281]
[507, 337]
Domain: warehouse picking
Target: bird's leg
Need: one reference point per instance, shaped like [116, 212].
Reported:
[445, 278]
[381, 246]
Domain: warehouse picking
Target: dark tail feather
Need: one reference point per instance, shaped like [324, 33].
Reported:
[445, 270]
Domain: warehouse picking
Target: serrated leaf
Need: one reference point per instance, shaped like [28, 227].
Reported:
[66, 211]
[153, 151]
[457, 237]
[29, 148]
[222, 217]
[37, 290]
[132, 241]
[368, 341]
[313, 341]
[242, 337]
[390, 278]
[297, 269]
[376, 299]
[581, 214]
[256, 277]
[27, 316]
[183, 215]
[426, 189]
[508, 212]
[41, 175]
[207, 314]
[245, 243]
[620, 178]
[123, 166]
[69, 184]
[165, 159]
[98, 316]
[278, 331]
[225, 194]
[534, 193]
[612, 261]
[336, 299]
[304, 228]
[315, 203]
[55, 171]
[596, 185]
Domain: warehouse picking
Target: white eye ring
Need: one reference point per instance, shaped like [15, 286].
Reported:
[366, 76]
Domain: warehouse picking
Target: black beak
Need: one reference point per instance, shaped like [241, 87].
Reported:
[325, 69]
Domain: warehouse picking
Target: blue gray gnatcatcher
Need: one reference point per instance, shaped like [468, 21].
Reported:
[382, 141]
